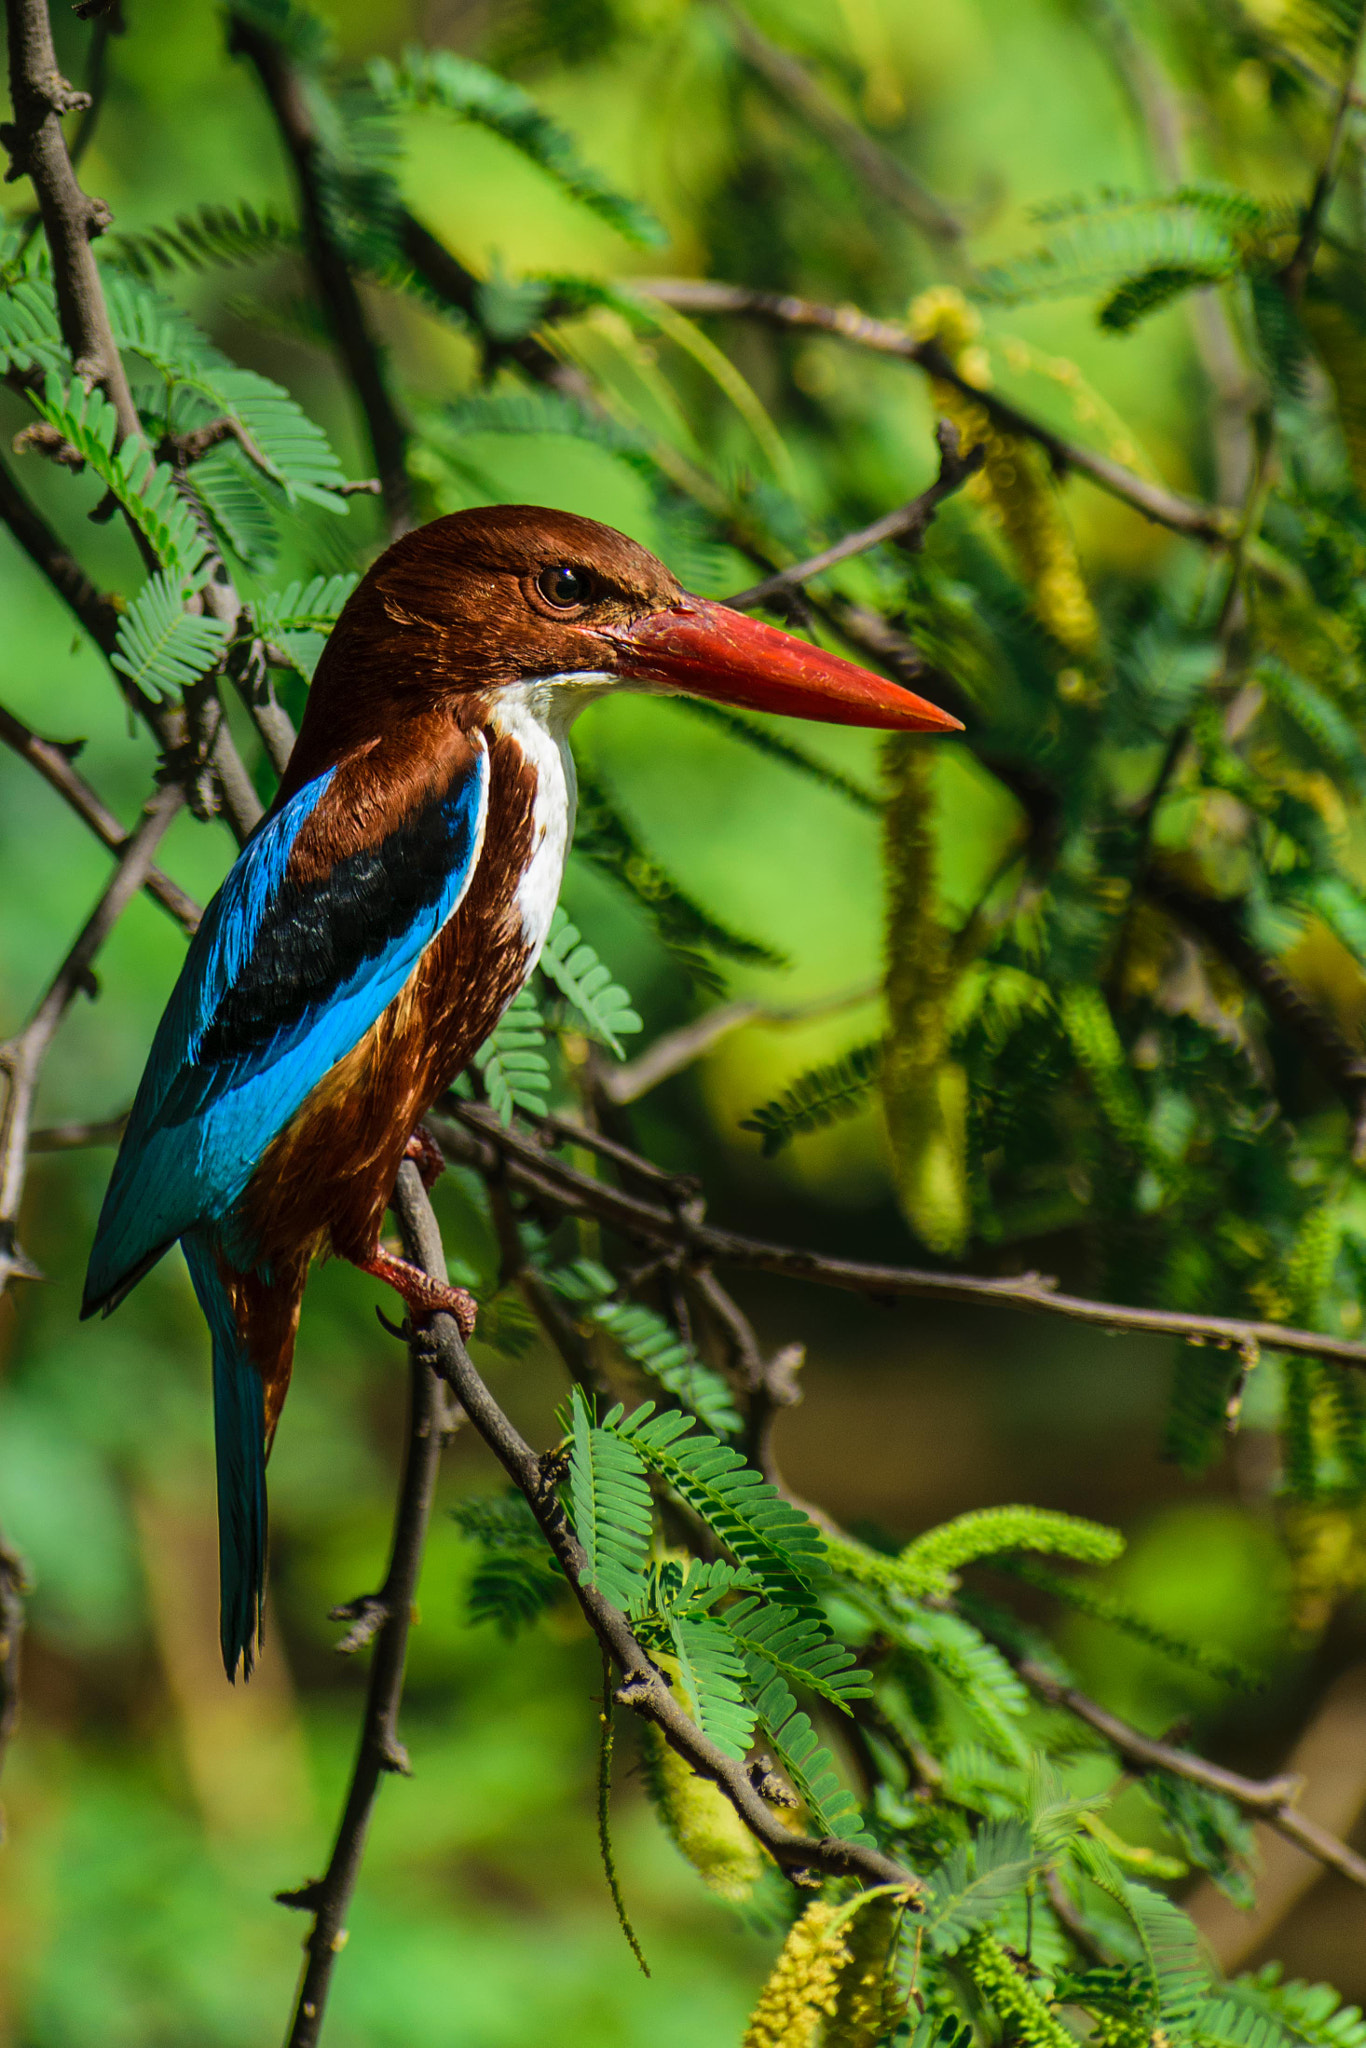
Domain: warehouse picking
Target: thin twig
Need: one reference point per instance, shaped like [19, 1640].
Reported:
[385, 1616]
[675, 1050]
[846, 323]
[643, 1688]
[53, 762]
[1295, 276]
[883, 174]
[284, 90]
[609, 1861]
[1270, 1799]
[21, 1059]
[908, 525]
[486, 1145]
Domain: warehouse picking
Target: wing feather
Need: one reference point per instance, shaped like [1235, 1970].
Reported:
[283, 978]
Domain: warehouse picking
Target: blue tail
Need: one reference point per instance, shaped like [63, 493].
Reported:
[239, 1413]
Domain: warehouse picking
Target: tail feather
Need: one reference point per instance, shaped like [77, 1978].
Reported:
[239, 1408]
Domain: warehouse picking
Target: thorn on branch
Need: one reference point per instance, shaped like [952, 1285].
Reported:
[304, 1898]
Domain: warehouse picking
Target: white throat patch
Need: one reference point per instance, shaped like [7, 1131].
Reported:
[538, 715]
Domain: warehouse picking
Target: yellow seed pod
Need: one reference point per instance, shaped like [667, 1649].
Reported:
[803, 1984]
[924, 1093]
[866, 2002]
[1025, 2016]
[1327, 1546]
[702, 1822]
[1014, 485]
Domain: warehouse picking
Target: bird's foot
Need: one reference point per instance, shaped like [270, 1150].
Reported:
[426, 1155]
[424, 1296]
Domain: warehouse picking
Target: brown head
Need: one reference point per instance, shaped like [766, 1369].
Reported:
[506, 593]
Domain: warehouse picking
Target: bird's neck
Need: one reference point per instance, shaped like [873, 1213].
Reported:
[535, 718]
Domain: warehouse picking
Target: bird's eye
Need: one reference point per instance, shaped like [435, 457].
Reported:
[564, 587]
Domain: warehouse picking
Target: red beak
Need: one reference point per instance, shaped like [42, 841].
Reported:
[710, 651]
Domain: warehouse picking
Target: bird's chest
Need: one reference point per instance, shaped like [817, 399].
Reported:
[544, 772]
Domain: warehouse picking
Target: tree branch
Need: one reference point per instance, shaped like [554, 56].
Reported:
[71, 219]
[907, 525]
[21, 1059]
[846, 323]
[481, 1141]
[53, 762]
[385, 1616]
[331, 273]
[1270, 1799]
[643, 1687]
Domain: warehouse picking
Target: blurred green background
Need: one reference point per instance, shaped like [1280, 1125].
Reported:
[150, 1811]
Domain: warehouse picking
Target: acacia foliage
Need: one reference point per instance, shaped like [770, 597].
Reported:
[1077, 1057]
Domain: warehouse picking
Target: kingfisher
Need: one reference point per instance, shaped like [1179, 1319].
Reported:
[375, 926]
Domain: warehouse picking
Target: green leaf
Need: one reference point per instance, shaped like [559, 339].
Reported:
[1103, 1606]
[513, 1066]
[456, 85]
[30, 332]
[650, 1343]
[822, 1096]
[610, 1504]
[798, 1647]
[284, 443]
[712, 1675]
[929, 1564]
[210, 238]
[298, 619]
[146, 491]
[970, 1886]
[780, 1544]
[764, 740]
[517, 1578]
[160, 646]
[571, 963]
[605, 837]
[1313, 2013]
[1213, 1834]
[830, 1805]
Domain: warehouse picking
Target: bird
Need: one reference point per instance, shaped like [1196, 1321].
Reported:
[374, 927]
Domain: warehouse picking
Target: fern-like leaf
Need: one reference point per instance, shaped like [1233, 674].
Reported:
[799, 1648]
[712, 1675]
[822, 1096]
[577, 972]
[1312, 2013]
[610, 1502]
[455, 85]
[298, 619]
[512, 1062]
[929, 1564]
[161, 647]
[970, 1886]
[780, 1544]
[288, 447]
[516, 1578]
[211, 238]
[144, 489]
[605, 837]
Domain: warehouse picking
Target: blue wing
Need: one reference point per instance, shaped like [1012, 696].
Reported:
[281, 980]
